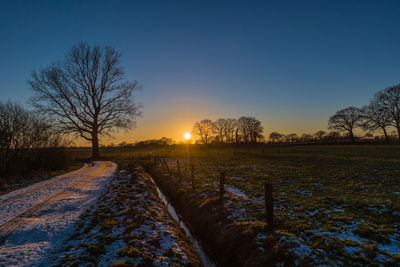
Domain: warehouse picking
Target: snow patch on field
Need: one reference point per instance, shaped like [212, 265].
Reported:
[236, 192]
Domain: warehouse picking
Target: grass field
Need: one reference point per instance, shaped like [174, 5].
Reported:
[332, 204]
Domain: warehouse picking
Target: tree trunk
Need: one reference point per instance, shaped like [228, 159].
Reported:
[398, 132]
[352, 136]
[385, 133]
[237, 136]
[95, 146]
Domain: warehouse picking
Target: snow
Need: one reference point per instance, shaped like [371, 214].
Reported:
[37, 219]
[235, 191]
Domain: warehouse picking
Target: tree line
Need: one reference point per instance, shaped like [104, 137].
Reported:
[381, 114]
[228, 130]
[28, 142]
[307, 138]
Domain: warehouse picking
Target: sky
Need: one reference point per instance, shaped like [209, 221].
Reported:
[290, 64]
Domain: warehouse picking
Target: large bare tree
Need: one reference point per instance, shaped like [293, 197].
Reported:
[86, 93]
[375, 116]
[389, 100]
[345, 120]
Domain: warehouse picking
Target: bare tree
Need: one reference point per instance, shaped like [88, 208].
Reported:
[86, 93]
[275, 137]
[251, 129]
[204, 130]
[375, 116]
[22, 134]
[292, 138]
[230, 126]
[389, 102]
[306, 138]
[345, 120]
[219, 128]
[320, 135]
[333, 136]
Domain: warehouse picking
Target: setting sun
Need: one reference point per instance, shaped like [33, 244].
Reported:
[187, 136]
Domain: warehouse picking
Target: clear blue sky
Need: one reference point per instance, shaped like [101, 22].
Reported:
[289, 63]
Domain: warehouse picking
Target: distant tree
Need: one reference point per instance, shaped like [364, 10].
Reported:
[251, 129]
[320, 135]
[86, 94]
[345, 120]
[389, 102]
[230, 126]
[204, 130]
[244, 128]
[306, 138]
[275, 137]
[368, 136]
[165, 141]
[333, 136]
[375, 116]
[219, 128]
[292, 138]
[23, 134]
[122, 144]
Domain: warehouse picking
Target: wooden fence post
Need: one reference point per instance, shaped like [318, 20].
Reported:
[221, 186]
[269, 204]
[192, 175]
[162, 164]
[166, 166]
[179, 170]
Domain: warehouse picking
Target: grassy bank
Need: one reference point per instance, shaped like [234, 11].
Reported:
[333, 204]
[129, 226]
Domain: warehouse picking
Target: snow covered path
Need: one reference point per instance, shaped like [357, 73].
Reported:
[37, 218]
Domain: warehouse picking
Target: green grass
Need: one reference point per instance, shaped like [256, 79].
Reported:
[341, 202]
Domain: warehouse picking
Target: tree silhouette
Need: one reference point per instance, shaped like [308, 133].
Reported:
[219, 128]
[320, 135]
[389, 102]
[204, 130]
[346, 120]
[375, 116]
[251, 129]
[86, 93]
[275, 137]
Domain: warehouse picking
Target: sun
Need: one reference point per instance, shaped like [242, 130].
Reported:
[187, 136]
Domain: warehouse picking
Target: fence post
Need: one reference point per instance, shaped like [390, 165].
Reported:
[221, 186]
[192, 175]
[269, 204]
[179, 170]
[166, 166]
[162, 164]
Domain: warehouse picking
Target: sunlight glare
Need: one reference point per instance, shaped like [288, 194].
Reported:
[187, 136]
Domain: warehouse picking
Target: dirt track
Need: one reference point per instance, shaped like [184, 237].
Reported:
[36, 219]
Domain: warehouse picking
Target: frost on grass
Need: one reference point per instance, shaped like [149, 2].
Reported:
[341, 203]
[129, 226]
